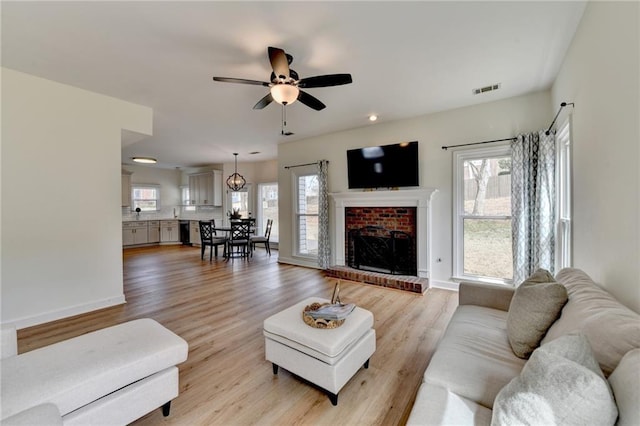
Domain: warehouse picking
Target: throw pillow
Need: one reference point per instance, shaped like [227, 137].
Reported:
[625, 384]
[535, 305]
[561, 384]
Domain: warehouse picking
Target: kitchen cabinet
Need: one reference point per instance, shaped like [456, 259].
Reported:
[154, 231]
[134, 233]
[194, 232]
[126, 189]
[169, 231]
[205, 189]
[217, 188]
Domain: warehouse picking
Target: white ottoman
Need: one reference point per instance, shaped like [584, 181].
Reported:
[327, 358]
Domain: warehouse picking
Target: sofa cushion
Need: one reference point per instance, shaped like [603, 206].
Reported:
[43, 414]
[474, 358]
[435, 405]
[535, 305]
[612, 328]
[625, 384]
[561, 384]
[76, 372]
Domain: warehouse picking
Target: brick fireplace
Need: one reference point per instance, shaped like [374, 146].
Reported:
[404, 212]
[381, 239]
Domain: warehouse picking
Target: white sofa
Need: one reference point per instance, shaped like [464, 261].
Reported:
[110, 376]
[474, 359]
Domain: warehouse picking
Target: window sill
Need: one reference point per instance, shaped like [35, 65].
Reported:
[482, 280]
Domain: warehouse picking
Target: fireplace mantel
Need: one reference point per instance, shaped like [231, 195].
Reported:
[419, 198]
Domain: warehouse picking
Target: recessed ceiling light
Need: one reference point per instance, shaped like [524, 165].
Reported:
[144, 160]
[373, 117]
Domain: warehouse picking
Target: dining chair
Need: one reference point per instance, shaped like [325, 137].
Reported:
[239, 239]
[257, 239]
[208, 237]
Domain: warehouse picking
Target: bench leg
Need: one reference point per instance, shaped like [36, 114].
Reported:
[166, 408]
[275, 369]
[333, 397]
[366, 364]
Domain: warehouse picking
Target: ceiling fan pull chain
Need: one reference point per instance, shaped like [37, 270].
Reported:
[284, 122]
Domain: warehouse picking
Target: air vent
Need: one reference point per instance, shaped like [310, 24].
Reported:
[486, 89]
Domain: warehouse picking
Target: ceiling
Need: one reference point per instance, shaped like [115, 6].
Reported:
[406, 58]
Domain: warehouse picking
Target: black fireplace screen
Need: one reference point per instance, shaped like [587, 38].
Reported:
[376, 249]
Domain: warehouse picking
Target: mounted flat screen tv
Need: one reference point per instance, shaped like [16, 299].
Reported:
[386, 166]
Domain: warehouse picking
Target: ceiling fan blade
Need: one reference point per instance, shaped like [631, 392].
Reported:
[264, 102]
[241, 81]
[310, 101]
[325, 80]
[279, 62]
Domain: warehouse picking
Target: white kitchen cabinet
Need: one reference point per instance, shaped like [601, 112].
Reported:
[154, 231]
[169, 231]
[134, 233]
[205, 189]
[194, 232]
[126, 189]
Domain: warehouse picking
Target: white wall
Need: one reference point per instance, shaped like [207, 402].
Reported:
[168, 179]
[601, 75]
[493, 120]
[61, 216]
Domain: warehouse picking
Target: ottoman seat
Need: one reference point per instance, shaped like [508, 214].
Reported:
[113, 375]
[325, 357]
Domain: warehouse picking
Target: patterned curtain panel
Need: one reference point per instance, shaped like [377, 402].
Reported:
[533, 203]
[324, 247]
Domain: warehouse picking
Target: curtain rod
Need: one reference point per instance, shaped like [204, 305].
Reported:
[478, 143]
[301, 165]
[562, 105]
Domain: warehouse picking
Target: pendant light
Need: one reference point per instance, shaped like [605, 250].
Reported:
[236, 182]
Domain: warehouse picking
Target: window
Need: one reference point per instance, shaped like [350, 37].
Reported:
[146, 197]
[482, 214]
[186, 199]
[306, 212]
[241, 200]
[563, 194]
[268, 208]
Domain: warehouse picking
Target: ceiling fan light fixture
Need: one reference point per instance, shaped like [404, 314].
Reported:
[144, 160]
[236, 181]
[284, 93]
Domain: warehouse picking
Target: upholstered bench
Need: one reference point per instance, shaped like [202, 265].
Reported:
[110, 376]
[327, 358]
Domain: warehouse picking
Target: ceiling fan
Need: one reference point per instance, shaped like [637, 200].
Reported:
[285, 84]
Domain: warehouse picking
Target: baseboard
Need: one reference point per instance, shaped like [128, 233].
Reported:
[67, 312]
[298, 262]
[446, 285]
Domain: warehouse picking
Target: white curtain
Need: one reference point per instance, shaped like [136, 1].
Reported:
[324, 242]
[533, 203]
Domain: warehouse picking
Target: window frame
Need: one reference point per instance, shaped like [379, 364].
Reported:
[154, 186]
[296, 231]
[459, 158]
[261, 221]
[248, 190]
[563, 258]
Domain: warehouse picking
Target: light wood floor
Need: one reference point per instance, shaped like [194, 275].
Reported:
[218, 308]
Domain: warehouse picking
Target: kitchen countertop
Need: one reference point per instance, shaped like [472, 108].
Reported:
[166, 218]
